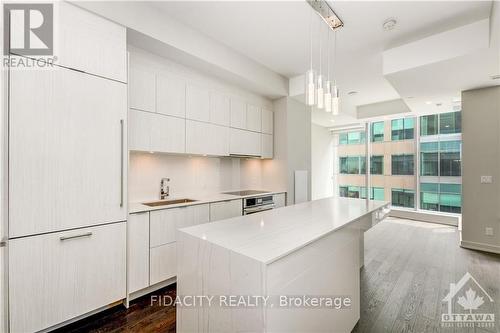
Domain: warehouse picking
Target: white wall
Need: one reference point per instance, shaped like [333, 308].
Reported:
[481, 157]
[321, 162]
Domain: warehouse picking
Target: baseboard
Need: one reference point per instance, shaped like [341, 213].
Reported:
[152, 288]
[440, 218]
[480, 246]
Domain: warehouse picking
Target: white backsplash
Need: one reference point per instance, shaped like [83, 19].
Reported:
[190, 175]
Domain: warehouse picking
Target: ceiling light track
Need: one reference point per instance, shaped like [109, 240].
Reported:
[326, 13]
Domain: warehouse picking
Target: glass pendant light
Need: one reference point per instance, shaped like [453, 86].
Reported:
[309, 80]
[320, 94]
[328, 86]
[335, 90]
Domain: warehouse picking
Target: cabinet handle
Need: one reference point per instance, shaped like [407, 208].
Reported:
[87, 234]
[121, 162]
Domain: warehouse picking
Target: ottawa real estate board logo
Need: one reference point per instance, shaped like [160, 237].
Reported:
[28, 33]
[468, 305]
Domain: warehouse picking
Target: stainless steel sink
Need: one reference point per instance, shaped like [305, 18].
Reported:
[167, 202]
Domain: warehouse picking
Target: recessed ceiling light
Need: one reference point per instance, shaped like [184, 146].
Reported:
[409, 97]
[389, 24]
[352, 92]
[428, 102]
[439, 104]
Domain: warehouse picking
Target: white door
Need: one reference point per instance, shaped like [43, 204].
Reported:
[58, 276]
[67, 151]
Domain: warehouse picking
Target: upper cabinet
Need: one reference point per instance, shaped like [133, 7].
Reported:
[142, 90]
[197, 103]
[220, 108]
[238, 113]
[170, 95]
[90, 43]
[267, 121]
[254, 118]
[206, 139]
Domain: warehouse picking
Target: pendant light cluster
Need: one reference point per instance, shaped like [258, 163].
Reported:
[322, 94]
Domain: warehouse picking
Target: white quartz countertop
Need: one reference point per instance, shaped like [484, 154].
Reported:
[272, 234]
[139, 207]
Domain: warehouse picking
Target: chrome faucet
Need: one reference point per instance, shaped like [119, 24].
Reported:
[164, 188]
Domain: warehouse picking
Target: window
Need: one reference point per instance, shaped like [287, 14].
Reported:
[352, 138]
[402, 129]
[441, 197]
[403, 198]
[449, 158]
[450, 123]
[429, 159]
[353, 165]
[377, 130]
[429, 125]
[377, 165]
[348, 191]
[402, 164]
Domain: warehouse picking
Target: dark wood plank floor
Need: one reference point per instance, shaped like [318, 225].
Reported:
[408, 268]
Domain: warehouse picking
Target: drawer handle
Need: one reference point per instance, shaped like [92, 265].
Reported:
[87, 234]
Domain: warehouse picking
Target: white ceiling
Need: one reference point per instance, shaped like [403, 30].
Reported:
[276, 34]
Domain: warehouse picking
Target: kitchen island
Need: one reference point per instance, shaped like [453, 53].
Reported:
[292, 269]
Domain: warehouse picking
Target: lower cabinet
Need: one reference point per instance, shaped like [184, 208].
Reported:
[162, 263]
[226, 209]
[279, 200]
[59, 276]
[138, 252]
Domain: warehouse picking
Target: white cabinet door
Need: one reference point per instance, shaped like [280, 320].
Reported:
[142, 90]
[220, 108]
[254, 118]
[163, 263]
[53, 279]
[90, 43]
[205, 138]
[165, 222]
[197, 103]
[226, 209]
[267, 145]
[168, 134]
[267, 121]
[171, 95]
[279, 200]
[243, 142]
[67, 156]
[139, 130]
[138, 251]
[238, 113]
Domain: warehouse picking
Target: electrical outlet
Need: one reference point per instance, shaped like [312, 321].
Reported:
[488, 231]
[486, 179]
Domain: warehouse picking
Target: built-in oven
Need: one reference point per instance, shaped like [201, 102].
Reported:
[257, 204]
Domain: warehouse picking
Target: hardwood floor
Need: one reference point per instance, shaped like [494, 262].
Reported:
[409, 266]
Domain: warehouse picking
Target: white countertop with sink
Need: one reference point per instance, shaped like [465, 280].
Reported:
[139, 207]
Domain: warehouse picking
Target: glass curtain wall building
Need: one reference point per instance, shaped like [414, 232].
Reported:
[414, 162]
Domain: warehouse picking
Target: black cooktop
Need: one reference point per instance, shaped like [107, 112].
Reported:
[245, 192]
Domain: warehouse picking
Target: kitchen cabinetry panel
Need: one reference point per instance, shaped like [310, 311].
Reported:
[205, 138]
[171, 95]
[220, 108]
[90, 43]
[279, 200]
[226, 209]
[238, 113]
[165, 222]
[67, 158]
[138, 251]
[142, 90]
[243, 142]
[163, 263]
[267, 146]
[254, 118]
[197, 103]
[168, 134]
[267, 121]
[139, 130]
[52, 279]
